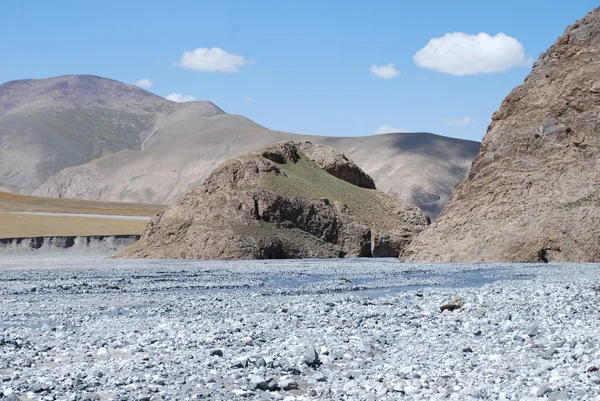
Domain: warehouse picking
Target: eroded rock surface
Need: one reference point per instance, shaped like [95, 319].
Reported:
[289, 200]
[533, 190]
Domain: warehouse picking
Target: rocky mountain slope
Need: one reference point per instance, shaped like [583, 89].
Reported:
[49, 124]
[88, 137]
[533, 193]
[289, 200]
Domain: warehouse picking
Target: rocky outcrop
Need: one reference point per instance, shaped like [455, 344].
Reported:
[337, 164]
[290, 200]
[533, 193]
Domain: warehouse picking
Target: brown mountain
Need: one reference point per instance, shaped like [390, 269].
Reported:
[533, 192]
[289, 200]
[49, 124]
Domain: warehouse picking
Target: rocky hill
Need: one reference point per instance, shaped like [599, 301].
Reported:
[533, 193]
[89, 137]
[289, 200]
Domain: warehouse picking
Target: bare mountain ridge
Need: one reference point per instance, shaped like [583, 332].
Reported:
[94, 138]
[74, 91]
[49, 124]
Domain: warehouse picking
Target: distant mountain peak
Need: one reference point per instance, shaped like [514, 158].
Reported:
[53, 123]
[71, 91]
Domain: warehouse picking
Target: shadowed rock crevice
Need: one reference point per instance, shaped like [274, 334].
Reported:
[278, 202]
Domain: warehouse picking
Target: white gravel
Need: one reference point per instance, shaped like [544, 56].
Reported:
[87, 329]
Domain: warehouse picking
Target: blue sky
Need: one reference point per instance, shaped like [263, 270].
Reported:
[301, 66]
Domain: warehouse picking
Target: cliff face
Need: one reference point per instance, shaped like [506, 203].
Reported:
[533, 190]
[290, 200]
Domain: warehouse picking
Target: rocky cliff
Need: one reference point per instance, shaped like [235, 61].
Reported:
[533, 193]
[289, 200]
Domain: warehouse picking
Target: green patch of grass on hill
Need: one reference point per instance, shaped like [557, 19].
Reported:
[305, 179]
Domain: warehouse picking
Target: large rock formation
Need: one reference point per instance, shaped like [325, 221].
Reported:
[289, 200]
[533, 192]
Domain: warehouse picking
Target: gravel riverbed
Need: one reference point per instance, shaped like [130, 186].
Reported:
[82, 328]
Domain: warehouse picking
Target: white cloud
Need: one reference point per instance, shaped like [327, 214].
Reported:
[386, 129]
[248, 99]
[144, 83]
[212, 60]
[385, 71]
[461, 54]
[179, 98]
[463, 122]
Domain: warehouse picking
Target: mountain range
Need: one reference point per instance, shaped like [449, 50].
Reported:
[88, 137]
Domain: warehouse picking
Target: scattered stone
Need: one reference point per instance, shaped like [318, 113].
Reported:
[258, 382]
[558, 396]
[369, 348]
[216, 352]
[320, 377]
[548, 354]
[542, 391]
[287, 384]
[39, 387]
[240, 363]
[273, 385]
[450, 307]
[311, 358]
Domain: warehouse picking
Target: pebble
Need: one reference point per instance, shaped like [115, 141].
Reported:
[215, 330]
[311, 358]
[216, 352]
[320, 377]
[287, 384]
